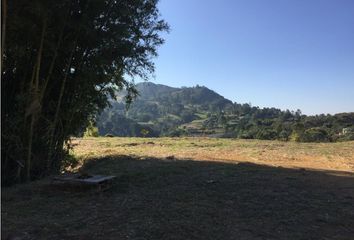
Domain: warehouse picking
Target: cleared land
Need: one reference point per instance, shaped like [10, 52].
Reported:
[326, 156]
[194, 188]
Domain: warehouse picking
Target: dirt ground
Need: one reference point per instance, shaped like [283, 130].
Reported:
[166, 189]
[319, 156]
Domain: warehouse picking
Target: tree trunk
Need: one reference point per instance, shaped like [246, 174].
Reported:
[34, 98]
[60, 39]
[56, 116]
[29, 153]
[3, 32]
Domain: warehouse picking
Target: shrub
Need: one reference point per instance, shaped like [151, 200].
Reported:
[284, 135]
[266, 134]
[316, 134]
[296, 136]
[144, 132]
[91, 131]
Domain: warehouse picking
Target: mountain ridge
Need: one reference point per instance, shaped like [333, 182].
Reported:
[161, 110]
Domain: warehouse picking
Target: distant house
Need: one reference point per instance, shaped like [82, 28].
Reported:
[346, 131]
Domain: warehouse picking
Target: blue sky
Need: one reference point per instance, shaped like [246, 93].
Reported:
[290, 54]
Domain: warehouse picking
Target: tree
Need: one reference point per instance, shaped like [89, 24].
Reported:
[61, 62]
[91, 131]
[316, 134]
[266, 134]
[144, 132]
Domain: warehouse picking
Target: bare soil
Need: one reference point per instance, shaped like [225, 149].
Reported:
[165, 197]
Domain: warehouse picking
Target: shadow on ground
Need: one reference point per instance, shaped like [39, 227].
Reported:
[183, 199]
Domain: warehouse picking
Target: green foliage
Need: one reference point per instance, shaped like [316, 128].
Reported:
[119, 125]
[144, 132]
[62, 62]
[347, 134]
[348, 137]
[198, 111]
[284, 135]
[267, 134]
[69, 160]
[295, 136]
[91, 131]
[161, 109]
[178, 132]
[316, 134]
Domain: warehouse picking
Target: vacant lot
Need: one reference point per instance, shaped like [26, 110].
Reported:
[194, 188]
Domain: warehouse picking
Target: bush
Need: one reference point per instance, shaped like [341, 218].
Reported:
[296, 136]
[350, 137]
[284, 135]
[246, 136]
[69, 161]
[144, 132]
[316, 135]
[177, 132]
[91, 131]
[347, 137]
[266, 134]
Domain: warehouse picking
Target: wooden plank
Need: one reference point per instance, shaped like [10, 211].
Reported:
[95, 179]
[98, 179]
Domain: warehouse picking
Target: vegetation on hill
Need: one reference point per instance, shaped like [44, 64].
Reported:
[198, 111]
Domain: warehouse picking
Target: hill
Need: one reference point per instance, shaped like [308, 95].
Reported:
[161, 110]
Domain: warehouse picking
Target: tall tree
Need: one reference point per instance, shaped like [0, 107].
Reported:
[61, 62]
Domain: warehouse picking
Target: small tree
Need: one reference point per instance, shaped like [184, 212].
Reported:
[144, 132]
[91, 131]
[316, 134]
[61, 63]
[284, 135]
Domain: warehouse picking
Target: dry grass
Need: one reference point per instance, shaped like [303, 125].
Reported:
[321, 156]
[228, 189]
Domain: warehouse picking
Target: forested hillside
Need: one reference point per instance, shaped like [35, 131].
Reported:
[198, 111]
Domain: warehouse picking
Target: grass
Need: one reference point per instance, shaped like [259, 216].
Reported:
[194, 188]
[328, 156]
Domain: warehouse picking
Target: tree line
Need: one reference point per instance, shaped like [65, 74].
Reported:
[199, 111]
[247, 122]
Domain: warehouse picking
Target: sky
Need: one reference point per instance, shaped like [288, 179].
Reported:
[289, 54]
